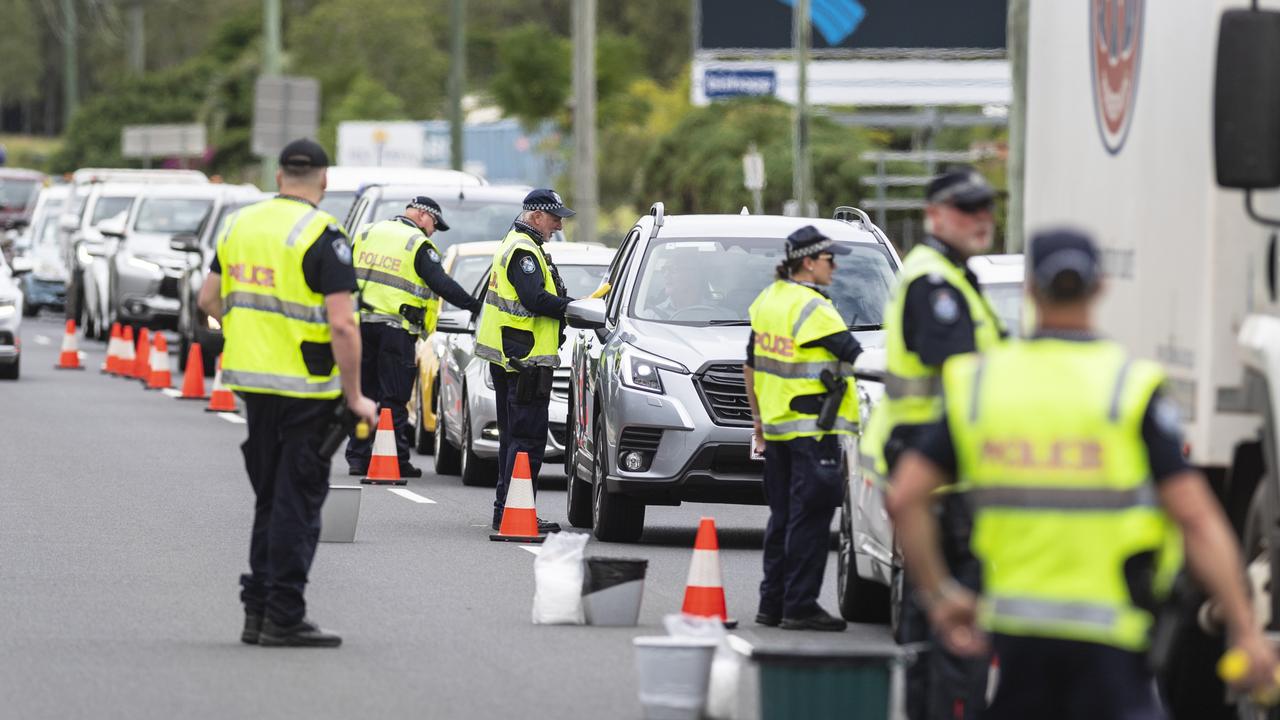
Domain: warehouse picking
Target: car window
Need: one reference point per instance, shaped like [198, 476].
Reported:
[469, 220]
[467, 271]
[1007, 301]
[617, 269]
[17, 194]
[211, 238]
[172, 215]
[337, 203]
[582, 280]
[109, 207]
[675, 287]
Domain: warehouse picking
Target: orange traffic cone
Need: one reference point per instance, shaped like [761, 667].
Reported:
[161, 375]
[113, 351]
[70, 357]
[704, 591]
[519, 516]
[142, 360]
[221, 399]
[384, 465]
[127, 356]
[193, 380]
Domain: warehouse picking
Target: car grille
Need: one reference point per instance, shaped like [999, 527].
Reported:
[169, 287]
[6, 337]
[560, 432]
[560, 383]
[735, 460]
[724, 393]
[642, 439]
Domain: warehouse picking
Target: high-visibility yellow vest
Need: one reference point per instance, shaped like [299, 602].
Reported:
[383, 257]
[502, 308]
[912, 389]
[785, 317]
[269, 311]
[1049, 448]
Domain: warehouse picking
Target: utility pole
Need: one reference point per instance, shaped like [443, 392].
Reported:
[71, 64]
[1017, 29]
[584, 119]
[137, 38]
[457, 81]
[271, 65]
[801, 31]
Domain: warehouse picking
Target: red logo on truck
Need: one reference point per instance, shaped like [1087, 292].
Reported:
[1115, 27]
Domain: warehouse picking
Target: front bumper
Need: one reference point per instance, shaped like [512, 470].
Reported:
[695, 458]
[147, 298]
[484, 418]
[44, 293]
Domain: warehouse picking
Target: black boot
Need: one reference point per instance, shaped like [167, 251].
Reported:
[821, 621]
[303, 634]
[252, 628]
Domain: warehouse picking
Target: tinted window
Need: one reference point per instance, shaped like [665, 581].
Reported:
[675, 284]
[582, 280]
[172, 215]
[109, 207]
[17, 194]
[468, 269]
[1006, 299]
[337, 204]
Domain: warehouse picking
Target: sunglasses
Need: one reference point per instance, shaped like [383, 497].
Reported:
[831, 259]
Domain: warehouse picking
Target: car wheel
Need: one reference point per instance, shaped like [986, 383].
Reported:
[861, 600]
[616, 517]
[578, 499]
[184, 349]
[448, 460]
[476, 471]
[30, 309]
[11, 371]
[424, 442]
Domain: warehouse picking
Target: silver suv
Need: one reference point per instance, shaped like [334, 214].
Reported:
[658, 406]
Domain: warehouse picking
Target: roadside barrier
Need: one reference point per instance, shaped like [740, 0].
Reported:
[127, 356]
[704, 591]
[141, 369]
[384, 465]
[113, 351]
[161, 375]
[193, 379]
[69, 359]
[221, 399]
[519, 516]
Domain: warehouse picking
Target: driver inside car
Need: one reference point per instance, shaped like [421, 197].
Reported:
[684, 285]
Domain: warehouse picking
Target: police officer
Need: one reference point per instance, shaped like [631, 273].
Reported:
[936, 312]
[797, 336]
[401, 283]
[519, 333]
[1071, 455]
[281, 284]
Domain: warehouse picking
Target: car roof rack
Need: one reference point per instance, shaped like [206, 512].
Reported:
[659, 212]
[848, 213]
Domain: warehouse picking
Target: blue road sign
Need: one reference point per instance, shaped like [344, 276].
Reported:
[835, 19]
[721, 83]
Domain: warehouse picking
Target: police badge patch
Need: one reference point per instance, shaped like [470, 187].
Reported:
[433, 256]
[342, 250]
[528, 265]
[945, 308]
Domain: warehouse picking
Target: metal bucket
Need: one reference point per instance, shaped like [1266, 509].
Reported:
[340, 514]
[673, 676]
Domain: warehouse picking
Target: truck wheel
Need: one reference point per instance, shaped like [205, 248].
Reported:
[617, 518]
[861, 600]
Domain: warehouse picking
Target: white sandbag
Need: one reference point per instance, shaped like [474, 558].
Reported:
[557, 573]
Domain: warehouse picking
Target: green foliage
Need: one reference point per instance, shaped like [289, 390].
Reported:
[22, 64]
[697, 167]
[365, 100]
[533, 80]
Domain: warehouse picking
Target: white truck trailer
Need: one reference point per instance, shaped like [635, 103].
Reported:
[1125, 100]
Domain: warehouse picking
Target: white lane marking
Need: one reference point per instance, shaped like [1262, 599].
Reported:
[535, 549]
[411, 495]
[43, 340]
[172, 392]
[232, 418]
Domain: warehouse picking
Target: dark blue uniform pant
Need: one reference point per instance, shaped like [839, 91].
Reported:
[522, 427]
[1050, 679]
[803, 485]
[388, 368]
[290, 480]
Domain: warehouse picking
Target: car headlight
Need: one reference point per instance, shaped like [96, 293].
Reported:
[8, 308]
[212, 322]
[146, 265]
[84, 256]
[642, 371]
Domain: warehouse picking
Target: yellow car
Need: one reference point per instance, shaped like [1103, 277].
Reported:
[466, 263]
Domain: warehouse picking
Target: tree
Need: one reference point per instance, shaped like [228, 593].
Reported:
[19, 53]
[365, 100]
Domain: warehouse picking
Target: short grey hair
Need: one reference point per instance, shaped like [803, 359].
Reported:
[526, 216]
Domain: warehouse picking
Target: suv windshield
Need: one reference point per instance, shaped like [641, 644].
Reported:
[172, 215]
[469, 220]
[713, 281]
[109, 207]
[1006, 301]
[338, 203]
[17, 194]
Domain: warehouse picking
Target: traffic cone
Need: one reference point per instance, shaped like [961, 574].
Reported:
[221, 399]
[70, 357]
[704, 591]
[161, 375]
[113, 351]
[384, 465]
[519, 516]
[124, 362]
[193, 380]
[142, 360]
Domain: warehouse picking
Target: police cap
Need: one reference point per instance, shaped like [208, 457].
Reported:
[432, 208]
[962, 187]
[304, 153]
[809, 240]
[549, 201]
[1065, 264]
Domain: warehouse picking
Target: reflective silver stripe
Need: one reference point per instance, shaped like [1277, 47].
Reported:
[413, 240]
[272, 304]
[300, 226]
[1060, 498]
[484, 352]
[977, 389]
[381, 319]
[394, 281]
[898, 387]
[510, 307]
[551, 361]
[1102, 617]
[808, 425]
[519, 245]
[1119, 390]
[804, 370]
[808, 310]
[266, 381]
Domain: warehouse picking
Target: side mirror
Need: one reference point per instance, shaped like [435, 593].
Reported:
[69, 223]
[454, 321]
[112, 228]
[1246, 102]
[185, 243]
[21, 265]
[587, 314]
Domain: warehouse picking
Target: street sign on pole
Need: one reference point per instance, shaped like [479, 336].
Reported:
[753, 176]
[153, 141]
[285, 108]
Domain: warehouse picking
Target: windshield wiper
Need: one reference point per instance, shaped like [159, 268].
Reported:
[867, 326]
[729, 323]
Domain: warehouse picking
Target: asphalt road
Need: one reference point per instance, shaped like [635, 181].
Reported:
[124, 525]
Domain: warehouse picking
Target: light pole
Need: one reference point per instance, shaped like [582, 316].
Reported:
[584, 119]
[801, 31]
[457, 81]
[271, 65]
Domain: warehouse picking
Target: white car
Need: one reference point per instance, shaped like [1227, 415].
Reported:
[869, 567]
[10, 323]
